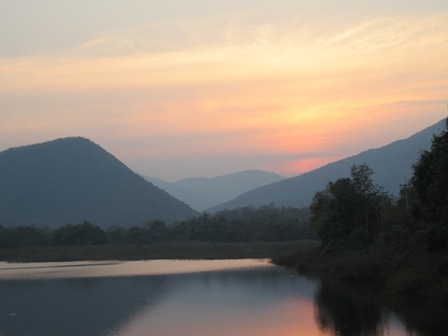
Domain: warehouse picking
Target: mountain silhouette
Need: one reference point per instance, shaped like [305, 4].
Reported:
[72, 180]
[392, 165]
[202, 193]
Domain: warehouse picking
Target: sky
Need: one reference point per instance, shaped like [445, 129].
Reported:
[179, 88]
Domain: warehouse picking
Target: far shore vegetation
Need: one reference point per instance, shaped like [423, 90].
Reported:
[191, 250]
[248, 232]
[353, 233]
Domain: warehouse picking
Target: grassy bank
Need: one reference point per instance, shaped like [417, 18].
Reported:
[165, 250]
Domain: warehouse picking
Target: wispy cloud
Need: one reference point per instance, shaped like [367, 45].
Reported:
[239, 84]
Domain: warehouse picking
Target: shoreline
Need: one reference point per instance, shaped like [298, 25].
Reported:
[400, 276]
[390, 275]
[165, 250]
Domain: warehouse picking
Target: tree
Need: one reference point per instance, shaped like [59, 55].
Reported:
[20, 236]
[370, 197]
[79, 234]
[157, 230]
[2, 236]
[334, 210]
[430, 181]
[349, 209]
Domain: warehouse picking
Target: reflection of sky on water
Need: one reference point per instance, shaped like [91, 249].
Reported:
[75, 306]
[114, 305]
[257, 300]
[95, 269]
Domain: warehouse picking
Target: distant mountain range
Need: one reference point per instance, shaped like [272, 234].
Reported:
[392, 165]
[202, 193]
[72, 180]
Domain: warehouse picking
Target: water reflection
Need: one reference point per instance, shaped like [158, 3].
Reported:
[342, 311]
[423, 318]
[262, 301]
[348, 315]
[75, 307]
[258, 302]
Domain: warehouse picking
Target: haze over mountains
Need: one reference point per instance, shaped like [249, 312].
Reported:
[72, 180]
[392, 165]
[202, 193]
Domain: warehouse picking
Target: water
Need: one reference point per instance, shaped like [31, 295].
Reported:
[167, 298]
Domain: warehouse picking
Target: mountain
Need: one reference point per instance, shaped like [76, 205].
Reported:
[194, 198]
[202, 193]
[392, 165]
[72, 180]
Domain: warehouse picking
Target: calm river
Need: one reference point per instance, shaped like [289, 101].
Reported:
[191, 298]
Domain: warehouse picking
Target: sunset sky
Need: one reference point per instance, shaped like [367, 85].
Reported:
[179, 88]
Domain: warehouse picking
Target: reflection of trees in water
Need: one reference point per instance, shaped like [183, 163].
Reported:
[428, 318]
[347, 315]
[347, 312]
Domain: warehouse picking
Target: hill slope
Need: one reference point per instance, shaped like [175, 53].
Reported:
[202, 193]
[71, 180]
[391, 163]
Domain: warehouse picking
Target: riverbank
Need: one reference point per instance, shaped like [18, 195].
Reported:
[377, 269]
[165, 250]
[406, 274]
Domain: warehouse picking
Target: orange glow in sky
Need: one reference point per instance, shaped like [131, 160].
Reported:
[252, 85]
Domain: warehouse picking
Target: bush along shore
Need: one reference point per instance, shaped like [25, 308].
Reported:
[399, 245]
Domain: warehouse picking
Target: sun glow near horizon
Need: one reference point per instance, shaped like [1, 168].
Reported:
[294, 89]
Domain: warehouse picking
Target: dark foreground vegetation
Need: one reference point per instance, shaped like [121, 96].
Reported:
[396, 246]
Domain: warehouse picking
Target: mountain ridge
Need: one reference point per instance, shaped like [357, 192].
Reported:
[204, 192]
[72, 179]
[391, 163]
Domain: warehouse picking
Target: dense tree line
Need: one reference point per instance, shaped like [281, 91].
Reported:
[264, 224]
[249, 224]
[398, 243]
[353, 212]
